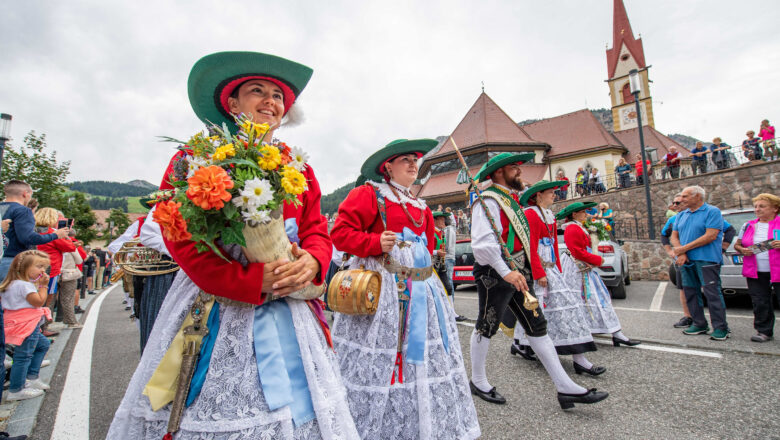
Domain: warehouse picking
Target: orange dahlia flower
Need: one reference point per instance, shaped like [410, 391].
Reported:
[208, 187]
[167, 215]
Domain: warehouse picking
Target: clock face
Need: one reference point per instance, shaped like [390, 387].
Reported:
[628, 117]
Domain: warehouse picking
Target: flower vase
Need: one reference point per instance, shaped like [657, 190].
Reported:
[267, 242]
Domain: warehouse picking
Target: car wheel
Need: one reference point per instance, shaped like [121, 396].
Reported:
[627, 279]
[619, 291]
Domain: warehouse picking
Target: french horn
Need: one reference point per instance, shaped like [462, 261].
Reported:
[138, 260]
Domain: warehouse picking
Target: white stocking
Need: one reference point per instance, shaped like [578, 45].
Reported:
[479, 351]
[545, 350]
[582, 361]
[619, 335]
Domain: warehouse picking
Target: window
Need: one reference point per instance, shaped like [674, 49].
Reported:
[627, 96]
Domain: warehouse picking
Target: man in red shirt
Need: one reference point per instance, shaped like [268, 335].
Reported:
[640, 169]
[672, 161]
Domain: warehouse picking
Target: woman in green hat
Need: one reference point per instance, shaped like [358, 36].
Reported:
[580, 261]
[566, 324]
[265, 367]
[403, 381]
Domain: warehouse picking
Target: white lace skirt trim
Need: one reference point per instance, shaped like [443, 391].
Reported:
[600, 318]
[434, 402]
[231, 404]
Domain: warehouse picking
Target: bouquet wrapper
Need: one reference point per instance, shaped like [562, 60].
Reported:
[594, 243]
[267, 242]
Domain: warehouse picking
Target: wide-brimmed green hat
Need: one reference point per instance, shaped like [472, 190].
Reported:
[539, 187]
[372, 167]
[440, 214]
[574, 207]
[147, 201]
[361, 180]
[501, 160]
[214, 77]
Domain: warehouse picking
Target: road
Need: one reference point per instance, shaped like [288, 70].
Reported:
[672, 386]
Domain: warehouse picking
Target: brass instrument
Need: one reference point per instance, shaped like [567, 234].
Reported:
[138, 260]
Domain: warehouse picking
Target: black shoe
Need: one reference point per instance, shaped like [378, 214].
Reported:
[684, 322]
[593, 371]
[524, 351]
[567, 401]
[460, 318]
[630, 343]
[76, 309]
[6, 436]
[124, 301]
[127, 308]
[91, 292]
[491, 396]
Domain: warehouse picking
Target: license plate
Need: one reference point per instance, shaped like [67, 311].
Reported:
[737, 259]
[462, 273]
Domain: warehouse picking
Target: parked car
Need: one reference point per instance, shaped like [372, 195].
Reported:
[732, 283]
[464, 264]
[614, 271]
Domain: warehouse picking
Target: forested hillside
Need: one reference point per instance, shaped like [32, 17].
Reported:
[112, 189]
[330, 202]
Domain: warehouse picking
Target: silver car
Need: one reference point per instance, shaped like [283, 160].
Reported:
[614, 271]
[732, 282]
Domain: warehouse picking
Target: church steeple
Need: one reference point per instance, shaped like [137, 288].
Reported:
[625, 55]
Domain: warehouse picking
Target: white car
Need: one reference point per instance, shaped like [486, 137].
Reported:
[614, 271]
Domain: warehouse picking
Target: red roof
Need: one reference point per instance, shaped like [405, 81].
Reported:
[653, 139]
[485, 123]
[622, 34]
[445, 183]
[572, 132]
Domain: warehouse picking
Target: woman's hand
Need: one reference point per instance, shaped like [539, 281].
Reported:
[743, 250]
[775, 244]
[387, 240]
[542, 281]
[283, 277]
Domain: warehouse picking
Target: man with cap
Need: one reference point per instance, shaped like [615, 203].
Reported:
[440, 249]
[500, 288]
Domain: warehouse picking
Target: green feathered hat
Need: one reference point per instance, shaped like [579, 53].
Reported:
[574, 207]
[373, 167]
[540, 186]
[214, 77]
[502, 160]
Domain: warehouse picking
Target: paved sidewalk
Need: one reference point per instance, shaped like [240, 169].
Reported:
[18, 418]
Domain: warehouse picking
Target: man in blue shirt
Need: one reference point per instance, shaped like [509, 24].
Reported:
[21, 233]
[699, 159]
[697, 238]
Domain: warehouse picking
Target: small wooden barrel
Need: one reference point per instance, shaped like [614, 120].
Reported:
[355, 292]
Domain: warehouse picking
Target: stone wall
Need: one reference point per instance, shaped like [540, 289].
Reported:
[732, 188]
[647, 260]
[725, 189]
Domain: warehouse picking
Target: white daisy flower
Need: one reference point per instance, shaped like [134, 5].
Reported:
[195, 163]
[243, 202]
[299, 158]
[258, 191]
[255, 216]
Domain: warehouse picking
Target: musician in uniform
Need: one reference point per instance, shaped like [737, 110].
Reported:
[499, 287]
[440, 249]
[402, 366]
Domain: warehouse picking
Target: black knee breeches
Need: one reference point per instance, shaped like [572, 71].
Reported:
[496, 296]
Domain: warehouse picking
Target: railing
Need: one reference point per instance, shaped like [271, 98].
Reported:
[636, 228]
[658, 172]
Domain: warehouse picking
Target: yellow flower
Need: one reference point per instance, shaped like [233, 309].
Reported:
[293, 182]
[269, 158]
[251, 128]
[224, 152]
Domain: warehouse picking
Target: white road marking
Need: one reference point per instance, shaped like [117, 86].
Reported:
[655, 305]
[676, 312]
[644, 346]
[72, 420]
[467, 324]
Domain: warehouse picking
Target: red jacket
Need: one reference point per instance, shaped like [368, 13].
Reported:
[577, 241]
[81, 252]
[540, 230]
[230, 279]
[359, 226]
[55, 249]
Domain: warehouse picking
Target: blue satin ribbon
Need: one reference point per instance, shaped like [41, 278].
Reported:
[549, 243]
[418, 314]
[206, 348]
[599, 294]
[279, 364]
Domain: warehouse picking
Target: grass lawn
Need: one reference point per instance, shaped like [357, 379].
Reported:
[134, 205]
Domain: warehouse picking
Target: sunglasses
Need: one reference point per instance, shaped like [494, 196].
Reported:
[676, 203]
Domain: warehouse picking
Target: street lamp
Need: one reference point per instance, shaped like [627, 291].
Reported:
[5, 133]
[636, 87]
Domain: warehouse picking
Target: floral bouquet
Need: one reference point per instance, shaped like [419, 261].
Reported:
[599, 229]
[232, 188]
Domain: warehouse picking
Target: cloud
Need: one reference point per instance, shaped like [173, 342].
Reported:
[104, 79]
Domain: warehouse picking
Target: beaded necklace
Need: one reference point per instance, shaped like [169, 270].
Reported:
[416, 224]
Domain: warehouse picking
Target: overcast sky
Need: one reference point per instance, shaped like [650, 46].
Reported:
[104, 78]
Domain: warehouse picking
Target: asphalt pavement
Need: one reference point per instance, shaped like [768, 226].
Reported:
[674, 386]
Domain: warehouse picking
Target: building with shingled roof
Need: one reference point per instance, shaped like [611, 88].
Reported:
[561, 143]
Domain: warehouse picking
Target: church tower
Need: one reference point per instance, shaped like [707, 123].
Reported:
[627, 54]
